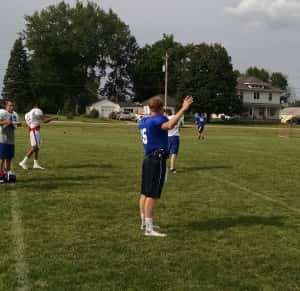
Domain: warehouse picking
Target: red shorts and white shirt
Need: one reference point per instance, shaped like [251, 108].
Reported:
[33, 119]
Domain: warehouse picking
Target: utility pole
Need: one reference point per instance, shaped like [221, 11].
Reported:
[165, 69]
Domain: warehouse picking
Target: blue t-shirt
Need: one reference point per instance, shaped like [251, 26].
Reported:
[153, 137]
[200, 121]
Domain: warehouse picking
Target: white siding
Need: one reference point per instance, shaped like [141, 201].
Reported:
[248, 97]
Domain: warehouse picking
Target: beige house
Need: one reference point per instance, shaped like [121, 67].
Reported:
[260, 99]
[105, 107]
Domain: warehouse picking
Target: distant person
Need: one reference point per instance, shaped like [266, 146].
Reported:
[154, 133]
[173, 142]
[9, 121]
[200, 123]
[33, 119]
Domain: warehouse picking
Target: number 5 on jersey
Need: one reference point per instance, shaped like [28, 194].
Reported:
[144, 135]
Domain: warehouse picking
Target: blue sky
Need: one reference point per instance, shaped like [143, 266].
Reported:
[255, 32]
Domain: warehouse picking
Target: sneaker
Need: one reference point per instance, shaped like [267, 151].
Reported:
[143, 226]
[23, 165]
[173, 171]
[154, 233]
[38, 167]
[2, 179]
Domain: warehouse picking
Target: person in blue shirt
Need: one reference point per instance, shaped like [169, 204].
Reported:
[8, 123]
[200, 122]
[154, 134]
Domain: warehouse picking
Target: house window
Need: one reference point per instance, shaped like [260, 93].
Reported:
[129, 110]
[270, 96]
[256, 95]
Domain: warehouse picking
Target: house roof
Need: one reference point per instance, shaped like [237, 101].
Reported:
[100, 102]
[129, 104]
[254, 84]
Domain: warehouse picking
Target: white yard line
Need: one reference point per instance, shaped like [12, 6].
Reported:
[18, 244]
[257, 194]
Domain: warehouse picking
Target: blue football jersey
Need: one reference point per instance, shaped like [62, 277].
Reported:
[153, 137]
[200, 121]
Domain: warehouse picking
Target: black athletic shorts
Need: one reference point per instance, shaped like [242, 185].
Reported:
[200, 129]
[153, 176]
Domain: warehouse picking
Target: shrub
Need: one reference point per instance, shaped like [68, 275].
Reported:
[94, 113]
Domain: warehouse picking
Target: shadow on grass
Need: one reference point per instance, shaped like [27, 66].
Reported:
[51, 183]
[228, 222]
[201, 168]
[83, 166]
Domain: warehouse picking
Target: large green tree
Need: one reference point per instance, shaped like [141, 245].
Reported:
[121, 56]
[208, 75]
[279, 80]
[17, 80]
[260, 74]
[148, 76]
[73, 49]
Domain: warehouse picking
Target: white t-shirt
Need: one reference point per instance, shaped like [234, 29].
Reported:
[7, 133]
[4, 115]
[34, 117]
[174, 131]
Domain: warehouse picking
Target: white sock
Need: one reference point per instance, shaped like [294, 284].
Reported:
[142, 219]
[149, 224]
[24, 160]
[35, 162]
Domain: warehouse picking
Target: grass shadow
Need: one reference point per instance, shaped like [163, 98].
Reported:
[201, 168]
[83, 166]
[228, 222]
[52, 183]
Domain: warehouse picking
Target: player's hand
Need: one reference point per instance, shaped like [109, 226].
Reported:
[188, 100]
[7, 122]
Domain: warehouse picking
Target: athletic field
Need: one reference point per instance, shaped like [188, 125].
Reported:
[232, 213]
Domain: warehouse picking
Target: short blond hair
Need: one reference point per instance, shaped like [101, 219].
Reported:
[156, 104]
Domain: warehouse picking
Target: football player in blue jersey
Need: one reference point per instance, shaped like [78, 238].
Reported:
[154, 133]
[200, 122]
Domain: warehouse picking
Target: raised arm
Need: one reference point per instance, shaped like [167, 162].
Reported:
[188, 100]
[47, 119]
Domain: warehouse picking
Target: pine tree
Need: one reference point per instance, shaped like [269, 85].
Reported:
[17, 78]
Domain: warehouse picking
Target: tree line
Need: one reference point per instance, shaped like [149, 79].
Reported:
[67, 56]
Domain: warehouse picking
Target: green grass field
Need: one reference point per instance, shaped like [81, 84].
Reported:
[232, 213]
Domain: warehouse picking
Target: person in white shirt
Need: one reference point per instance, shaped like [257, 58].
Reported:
[33, 119]
[173, 141]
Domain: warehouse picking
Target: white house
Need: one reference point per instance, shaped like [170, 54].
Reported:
[104, 107]
[260, 99]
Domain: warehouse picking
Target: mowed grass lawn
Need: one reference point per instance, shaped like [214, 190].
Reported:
[232, 213]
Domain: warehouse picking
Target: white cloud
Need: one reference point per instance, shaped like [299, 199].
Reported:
[274, 13]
